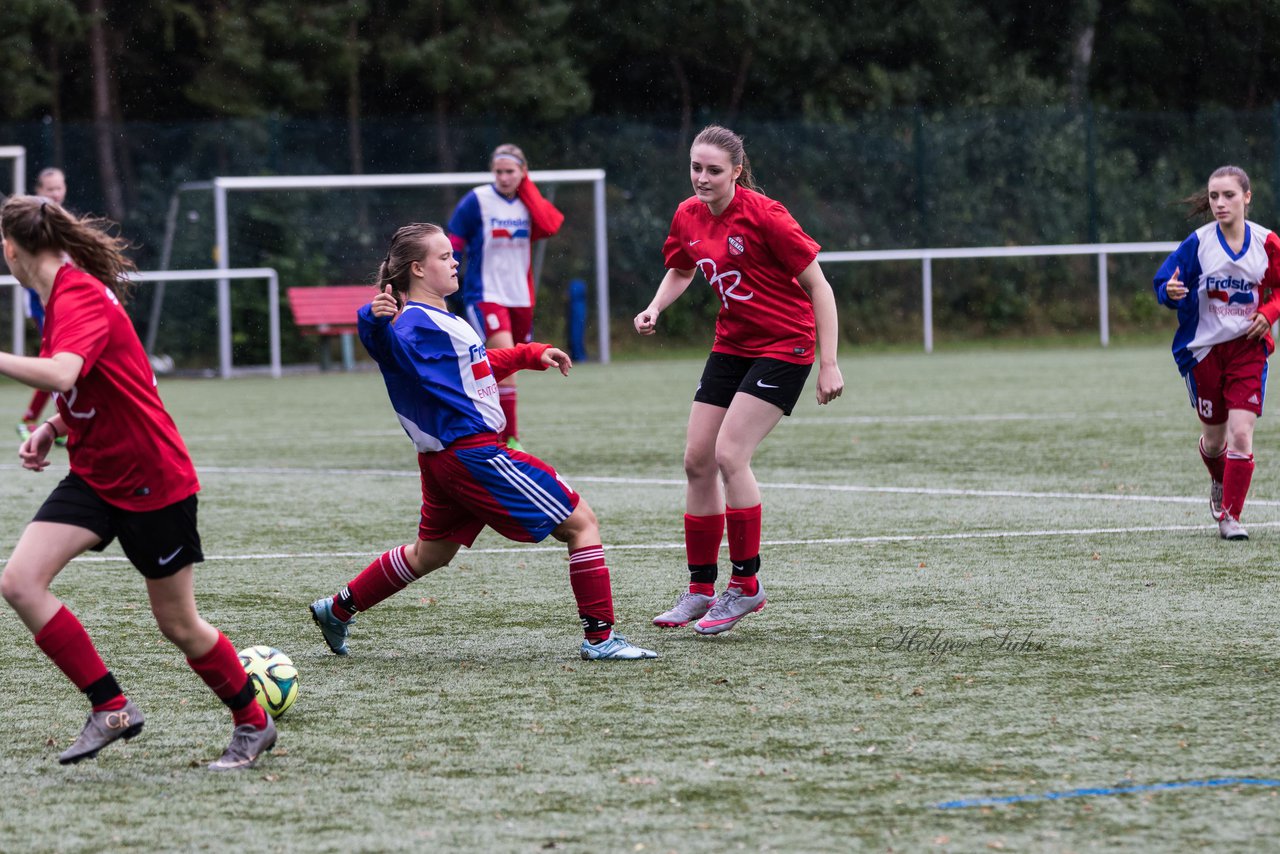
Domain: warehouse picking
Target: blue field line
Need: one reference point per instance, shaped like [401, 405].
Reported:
[1120, 790]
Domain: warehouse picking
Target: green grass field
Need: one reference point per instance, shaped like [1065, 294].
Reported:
[1049, 493]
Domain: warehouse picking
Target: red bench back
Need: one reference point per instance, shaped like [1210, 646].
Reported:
[328, 310]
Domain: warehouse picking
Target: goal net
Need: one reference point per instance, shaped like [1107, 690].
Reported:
[334, 230]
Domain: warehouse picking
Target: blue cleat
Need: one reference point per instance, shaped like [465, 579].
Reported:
[614, 648]
[335, 631]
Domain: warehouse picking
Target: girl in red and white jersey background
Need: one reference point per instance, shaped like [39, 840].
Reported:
[131, 478]
[494, 227]
[1222, 280]
[775, 305]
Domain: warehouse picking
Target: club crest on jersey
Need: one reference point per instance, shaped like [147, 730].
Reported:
[737, 246]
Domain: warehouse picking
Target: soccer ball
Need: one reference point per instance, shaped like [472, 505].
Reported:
[275, 679]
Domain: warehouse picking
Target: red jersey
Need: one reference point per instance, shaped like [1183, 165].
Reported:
[120, 439]
[751, 255]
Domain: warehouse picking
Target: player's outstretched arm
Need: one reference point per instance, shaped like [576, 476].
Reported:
[58, 372]
[674, 283]
[554, 356]
[505, 361]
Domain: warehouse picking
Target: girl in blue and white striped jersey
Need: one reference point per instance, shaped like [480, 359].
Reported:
[443, 385]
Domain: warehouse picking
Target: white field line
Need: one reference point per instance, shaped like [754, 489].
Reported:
[820, 541]
[940, 418]
[799, 487]
[975, 418]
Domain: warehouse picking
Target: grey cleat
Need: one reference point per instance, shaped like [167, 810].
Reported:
[1215, 500]
[688, 607]
[1229, 528]
[335, 631]
[101, 729]
[730, 607]
[247, 744]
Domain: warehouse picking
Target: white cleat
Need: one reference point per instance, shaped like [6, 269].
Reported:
[688, 607]
[1229, 528]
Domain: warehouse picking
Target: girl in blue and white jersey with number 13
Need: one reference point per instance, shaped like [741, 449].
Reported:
[1222, 280]
[443, 386]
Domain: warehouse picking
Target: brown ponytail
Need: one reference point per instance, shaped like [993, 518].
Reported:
[1197, 204]
[406, 247]
[731, 144]
[39, 225]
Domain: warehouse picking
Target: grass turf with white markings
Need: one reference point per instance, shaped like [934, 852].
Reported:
[464, 718]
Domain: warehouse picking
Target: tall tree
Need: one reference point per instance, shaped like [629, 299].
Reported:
[104, 109]
[496, 58]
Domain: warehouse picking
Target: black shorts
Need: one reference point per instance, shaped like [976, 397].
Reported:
[157, 542]
[772, 380]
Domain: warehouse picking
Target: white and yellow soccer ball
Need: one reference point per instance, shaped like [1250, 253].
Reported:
[275, 679]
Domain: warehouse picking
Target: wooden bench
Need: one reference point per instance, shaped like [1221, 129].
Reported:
[330, 311]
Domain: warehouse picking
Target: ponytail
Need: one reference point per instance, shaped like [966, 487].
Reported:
[406, 247]
[1197, 204]
[38, 225]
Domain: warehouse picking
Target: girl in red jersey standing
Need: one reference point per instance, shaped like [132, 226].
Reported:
[131, 478]
[774, 303]
[1223, 281]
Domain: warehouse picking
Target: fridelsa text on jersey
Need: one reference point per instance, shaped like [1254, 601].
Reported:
[479, 357]
[512, 225]
[1227, 283]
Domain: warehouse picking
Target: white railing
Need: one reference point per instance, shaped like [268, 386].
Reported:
[927, 256]
[224, 307]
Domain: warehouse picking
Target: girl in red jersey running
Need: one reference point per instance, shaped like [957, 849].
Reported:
[1223, 280]
[774, 302]
[131, 478]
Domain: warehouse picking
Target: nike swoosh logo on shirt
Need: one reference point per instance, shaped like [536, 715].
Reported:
[763, 384]
[694, 242]
[165, 560]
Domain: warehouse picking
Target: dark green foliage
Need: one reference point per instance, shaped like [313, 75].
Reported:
[880, 126]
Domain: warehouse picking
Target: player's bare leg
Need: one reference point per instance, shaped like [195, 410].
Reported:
[704, 517]
[43, 550]
[41, 553]
[746, 423]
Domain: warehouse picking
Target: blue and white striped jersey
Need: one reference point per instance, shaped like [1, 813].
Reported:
[1225, 289]
[437, 373]
[497, 231]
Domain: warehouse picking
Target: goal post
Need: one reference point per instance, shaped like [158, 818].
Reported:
[225, 185]
[18, 155]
